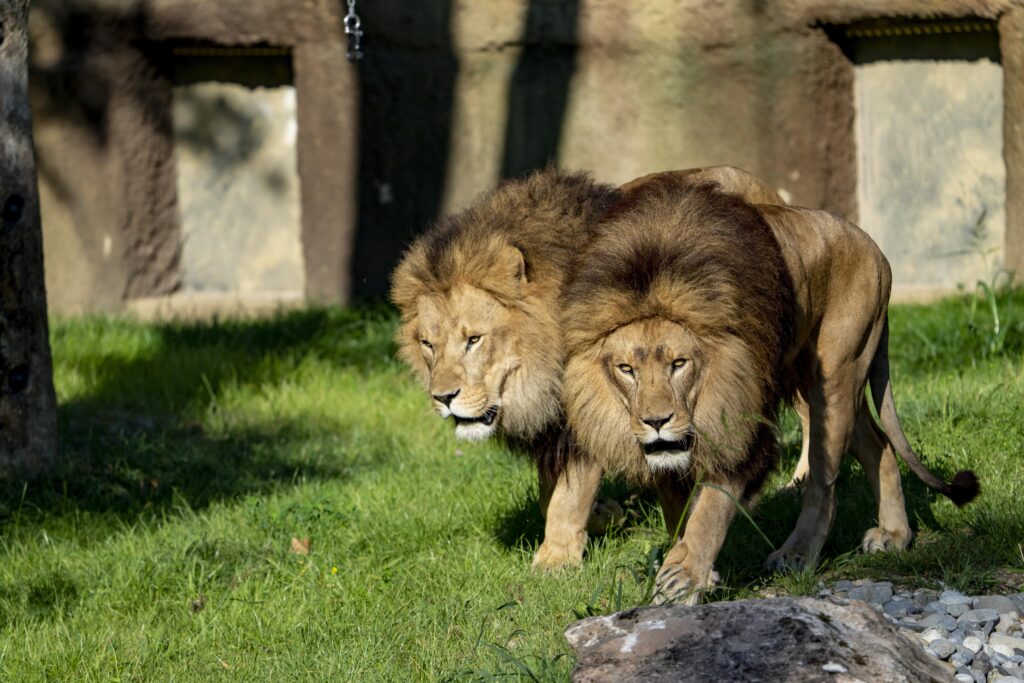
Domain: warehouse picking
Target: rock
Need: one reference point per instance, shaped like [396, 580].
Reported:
[898, 607]
[981, 663]
[748, 640]
[932, 634]
[1015, 645]
[875, 593]
[937, 607]
[843, 586]
[964, 678]
[973, 644]
[978, 616]
[942, 648]
[930, 621]
[1000, 603]
[958, 608]
[948, 622]
[951, 597]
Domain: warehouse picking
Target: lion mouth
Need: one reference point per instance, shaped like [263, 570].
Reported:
[486, 419]
[684, 445]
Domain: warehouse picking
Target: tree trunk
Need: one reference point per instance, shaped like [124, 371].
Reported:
[28, 410]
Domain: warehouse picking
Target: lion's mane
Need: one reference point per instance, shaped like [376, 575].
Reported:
[547, 216]
[688, 253]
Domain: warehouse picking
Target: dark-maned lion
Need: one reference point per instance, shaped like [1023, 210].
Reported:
[479, 299]
[692, 314]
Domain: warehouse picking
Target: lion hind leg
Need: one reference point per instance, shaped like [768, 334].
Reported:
[876, 456]
[803, 467]
[832, 416]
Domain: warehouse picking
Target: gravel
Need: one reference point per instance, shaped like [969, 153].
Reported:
[980, 637]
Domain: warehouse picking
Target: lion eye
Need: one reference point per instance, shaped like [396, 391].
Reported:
[472, 340]
[678, 363]
[626, 369]
[426, 344]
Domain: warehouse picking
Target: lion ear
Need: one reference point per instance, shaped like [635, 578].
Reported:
[513, 262]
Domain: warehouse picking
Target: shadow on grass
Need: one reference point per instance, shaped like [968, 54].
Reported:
[521, 526]
[131, 468]
[132, 443]
[165, 368]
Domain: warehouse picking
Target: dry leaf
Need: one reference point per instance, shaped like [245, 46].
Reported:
[300, 546]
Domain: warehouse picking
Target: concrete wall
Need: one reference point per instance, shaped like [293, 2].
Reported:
[454, 95]
[102, 78]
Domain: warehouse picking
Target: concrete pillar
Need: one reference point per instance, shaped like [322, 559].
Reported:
[28, 412]
[327, 94]
[1011, 46]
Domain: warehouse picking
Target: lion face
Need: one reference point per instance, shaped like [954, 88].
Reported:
[465, 340]
[655, 366]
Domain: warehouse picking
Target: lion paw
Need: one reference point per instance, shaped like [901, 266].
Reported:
[605, 514]
[553, 556]
[677, 585]
[788, 560]
[884, 540]
[679, 582]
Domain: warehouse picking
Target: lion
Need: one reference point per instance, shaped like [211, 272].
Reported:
[480, 325]
[693, 314]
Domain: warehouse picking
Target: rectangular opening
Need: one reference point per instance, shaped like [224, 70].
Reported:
[931, 174]
[235, 131]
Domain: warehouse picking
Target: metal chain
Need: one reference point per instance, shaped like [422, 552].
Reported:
[354, 31]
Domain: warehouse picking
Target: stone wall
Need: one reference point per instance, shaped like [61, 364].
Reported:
[451, 97]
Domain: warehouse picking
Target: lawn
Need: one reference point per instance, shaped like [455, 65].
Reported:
[193, 455]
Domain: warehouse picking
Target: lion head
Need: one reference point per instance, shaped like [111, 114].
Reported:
[478, 294]
[481, 346]
[674, 327]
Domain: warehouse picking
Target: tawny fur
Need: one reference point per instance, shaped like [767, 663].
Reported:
[685, 253]
[786, 304]
[544, 217]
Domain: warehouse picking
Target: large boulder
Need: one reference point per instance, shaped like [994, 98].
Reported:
[782, 640]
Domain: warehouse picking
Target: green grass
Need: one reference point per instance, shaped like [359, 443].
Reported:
[193, 454]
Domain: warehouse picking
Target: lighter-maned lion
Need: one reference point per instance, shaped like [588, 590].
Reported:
[692, 315]
[479, 299]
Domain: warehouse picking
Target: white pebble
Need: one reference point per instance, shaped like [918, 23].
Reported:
[834, 668]
[1004, 650]
[973, 644]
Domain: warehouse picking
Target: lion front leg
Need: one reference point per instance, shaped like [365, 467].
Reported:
[567, 507]
[688, 567]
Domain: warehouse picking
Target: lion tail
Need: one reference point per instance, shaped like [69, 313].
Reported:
[964, 487]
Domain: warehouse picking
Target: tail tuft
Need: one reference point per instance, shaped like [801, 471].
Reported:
[964, 488]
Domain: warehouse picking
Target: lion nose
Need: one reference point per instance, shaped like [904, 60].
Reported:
[447, 398]
[659, 422]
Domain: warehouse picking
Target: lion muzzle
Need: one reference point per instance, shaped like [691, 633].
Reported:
[670, 454]
[478, 427]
